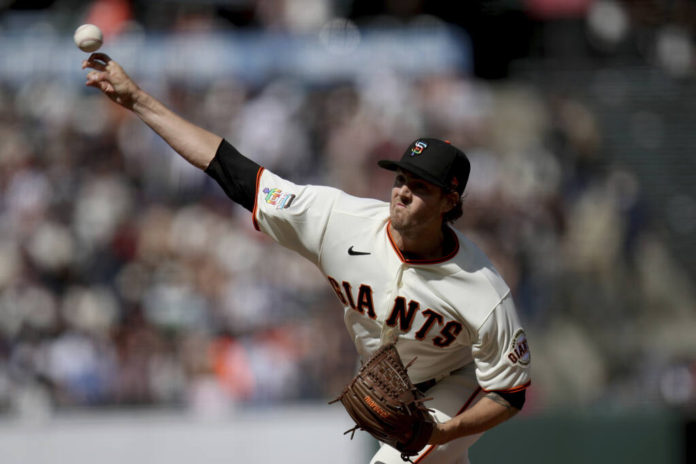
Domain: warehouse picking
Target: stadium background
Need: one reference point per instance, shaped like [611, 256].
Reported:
[133, 292]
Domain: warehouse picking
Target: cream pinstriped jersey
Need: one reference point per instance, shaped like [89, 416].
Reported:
[447, 313]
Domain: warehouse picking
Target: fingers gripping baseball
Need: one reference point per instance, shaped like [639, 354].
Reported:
[109, 77]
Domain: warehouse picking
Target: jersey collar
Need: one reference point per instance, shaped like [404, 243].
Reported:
[451, 253]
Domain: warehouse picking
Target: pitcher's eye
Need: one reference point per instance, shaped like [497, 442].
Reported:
[418, 186]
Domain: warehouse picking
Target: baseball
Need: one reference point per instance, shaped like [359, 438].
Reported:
[88, 38]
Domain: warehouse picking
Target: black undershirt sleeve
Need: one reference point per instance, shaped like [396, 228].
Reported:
[516, 399]
[235, 173]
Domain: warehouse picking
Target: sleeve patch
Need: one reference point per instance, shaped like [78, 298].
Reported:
[276, 197]
[519, 349]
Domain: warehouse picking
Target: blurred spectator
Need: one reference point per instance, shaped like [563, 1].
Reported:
[128, 278]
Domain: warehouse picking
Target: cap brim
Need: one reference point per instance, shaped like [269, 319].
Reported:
[394, 165]
[388, 164]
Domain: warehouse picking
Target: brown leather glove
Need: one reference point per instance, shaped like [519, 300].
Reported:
[383, 401]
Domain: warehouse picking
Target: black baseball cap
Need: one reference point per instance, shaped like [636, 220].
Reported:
[436, 161]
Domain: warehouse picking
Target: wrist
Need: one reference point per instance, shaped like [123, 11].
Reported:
[441, 434]
[139, 99]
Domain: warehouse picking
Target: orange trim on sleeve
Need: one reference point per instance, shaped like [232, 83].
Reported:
[512, 390]
[256, 198]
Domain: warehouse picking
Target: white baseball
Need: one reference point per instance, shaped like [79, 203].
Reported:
[88, 38]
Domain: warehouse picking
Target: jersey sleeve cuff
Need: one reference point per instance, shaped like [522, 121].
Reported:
[256, 199]
[236, 174]
[509, 390]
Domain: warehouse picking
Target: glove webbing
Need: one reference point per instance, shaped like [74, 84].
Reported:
[405, 457]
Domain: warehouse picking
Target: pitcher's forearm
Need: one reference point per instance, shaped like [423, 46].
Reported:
[193, 143]
[483, 416]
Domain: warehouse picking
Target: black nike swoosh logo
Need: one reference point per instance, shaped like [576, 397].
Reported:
[356, 253]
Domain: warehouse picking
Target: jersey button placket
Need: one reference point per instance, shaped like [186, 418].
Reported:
[399, 279]
[391, 334]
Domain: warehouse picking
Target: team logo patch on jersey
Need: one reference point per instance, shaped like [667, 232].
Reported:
[519, 350]
[278, 198]
[418, 148]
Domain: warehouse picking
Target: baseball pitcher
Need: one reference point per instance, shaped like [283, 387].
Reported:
[406, 280]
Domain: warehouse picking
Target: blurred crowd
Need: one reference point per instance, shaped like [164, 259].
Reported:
[127, 277]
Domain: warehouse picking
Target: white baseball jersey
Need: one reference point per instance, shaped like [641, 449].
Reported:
[447, 313]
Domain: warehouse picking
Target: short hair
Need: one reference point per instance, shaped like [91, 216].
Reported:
[457, 210]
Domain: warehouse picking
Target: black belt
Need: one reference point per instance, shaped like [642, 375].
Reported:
[426, 385]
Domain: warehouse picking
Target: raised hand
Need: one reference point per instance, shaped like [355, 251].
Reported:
[109, 77]
[195, 144]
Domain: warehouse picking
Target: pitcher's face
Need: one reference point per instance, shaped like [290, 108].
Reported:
[416, 203]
